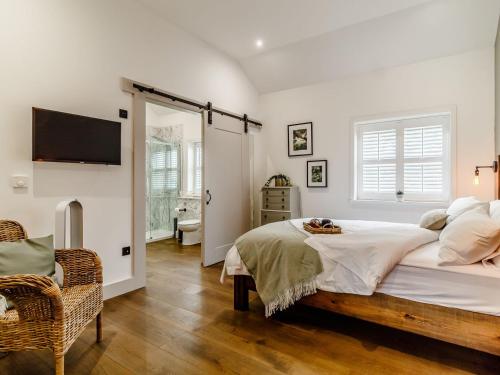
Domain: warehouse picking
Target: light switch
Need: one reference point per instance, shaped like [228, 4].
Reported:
[19, 182]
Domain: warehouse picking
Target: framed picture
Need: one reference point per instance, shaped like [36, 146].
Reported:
[300, 139]
[317, 174]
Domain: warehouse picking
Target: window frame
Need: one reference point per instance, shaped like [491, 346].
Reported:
[192, 168]
[387, 122]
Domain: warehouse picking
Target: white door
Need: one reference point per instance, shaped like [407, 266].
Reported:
[226, 188]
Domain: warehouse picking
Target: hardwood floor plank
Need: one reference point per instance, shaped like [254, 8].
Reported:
[207, 330]
[136, 354]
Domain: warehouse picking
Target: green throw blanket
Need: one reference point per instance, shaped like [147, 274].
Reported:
[283, 266]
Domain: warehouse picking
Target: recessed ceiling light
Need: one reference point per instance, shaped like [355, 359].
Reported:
[259, 43]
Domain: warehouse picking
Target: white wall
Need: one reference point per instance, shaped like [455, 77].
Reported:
[70, 56]
[497, 91]
[465, 81]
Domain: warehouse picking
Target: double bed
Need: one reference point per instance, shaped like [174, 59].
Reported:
[456, 304]
[419, 278]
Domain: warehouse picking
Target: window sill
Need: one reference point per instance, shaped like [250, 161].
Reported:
[402, 204]
[190, 196]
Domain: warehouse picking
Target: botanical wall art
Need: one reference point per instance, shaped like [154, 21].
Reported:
[300, 139]
[317, 175]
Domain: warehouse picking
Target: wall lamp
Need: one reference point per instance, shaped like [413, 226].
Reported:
[494, 167]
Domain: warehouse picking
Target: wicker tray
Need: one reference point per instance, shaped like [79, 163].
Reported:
[334, 230]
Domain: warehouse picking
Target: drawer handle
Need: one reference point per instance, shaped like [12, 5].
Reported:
[283, 207]
[282, 193]
[282, 199]
[283, 218]
[265, 216]
[267, 206]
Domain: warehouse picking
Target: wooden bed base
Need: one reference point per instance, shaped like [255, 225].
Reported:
[461, 327]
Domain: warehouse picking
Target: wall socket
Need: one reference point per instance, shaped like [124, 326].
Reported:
[125, 250]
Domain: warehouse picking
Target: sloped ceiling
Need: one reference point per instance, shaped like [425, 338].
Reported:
[307, 42]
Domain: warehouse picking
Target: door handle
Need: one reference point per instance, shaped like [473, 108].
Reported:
[209, 197]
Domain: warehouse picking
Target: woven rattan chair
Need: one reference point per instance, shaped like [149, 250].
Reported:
[44, 316]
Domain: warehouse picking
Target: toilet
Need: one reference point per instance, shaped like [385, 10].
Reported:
[189, 231]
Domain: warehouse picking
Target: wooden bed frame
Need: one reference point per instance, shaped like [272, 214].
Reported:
[472, 330]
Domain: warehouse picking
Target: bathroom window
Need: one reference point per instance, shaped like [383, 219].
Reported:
[164, 169]
[194, 168]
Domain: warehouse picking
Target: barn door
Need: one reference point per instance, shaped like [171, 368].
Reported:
[226, 188]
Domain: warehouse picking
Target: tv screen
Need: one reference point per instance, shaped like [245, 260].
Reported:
[64, 137]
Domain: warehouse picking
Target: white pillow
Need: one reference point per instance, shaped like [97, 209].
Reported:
[434, 219]
[495, 210]
[462, 205]
[470, 238]
[492, 259]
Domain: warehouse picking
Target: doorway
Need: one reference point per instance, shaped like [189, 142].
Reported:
[173, 175]
[223, 169]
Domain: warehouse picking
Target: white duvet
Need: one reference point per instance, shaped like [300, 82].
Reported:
[357, 260]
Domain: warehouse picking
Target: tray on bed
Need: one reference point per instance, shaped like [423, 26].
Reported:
[335, 230]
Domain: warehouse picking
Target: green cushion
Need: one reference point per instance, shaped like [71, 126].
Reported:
[31, 256]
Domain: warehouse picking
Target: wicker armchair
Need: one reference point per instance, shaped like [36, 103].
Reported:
[44, 316]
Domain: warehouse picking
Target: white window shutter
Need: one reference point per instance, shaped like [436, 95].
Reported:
[423, 161]
[377, 169]
[164, 170]
[197, 168]
[423, 142]
[379, 145]
[194, 167]
[423, 178]
[379, 178]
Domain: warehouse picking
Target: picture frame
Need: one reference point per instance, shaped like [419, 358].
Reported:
[300, 139]
[317, 173]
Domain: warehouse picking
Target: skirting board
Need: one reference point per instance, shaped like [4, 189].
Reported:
[121, 287]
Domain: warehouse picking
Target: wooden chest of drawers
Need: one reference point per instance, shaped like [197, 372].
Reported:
[279, 204]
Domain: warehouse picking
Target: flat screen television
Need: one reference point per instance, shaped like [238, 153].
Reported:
[64, 137]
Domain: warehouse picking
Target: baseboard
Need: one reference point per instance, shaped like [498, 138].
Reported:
[121, 287]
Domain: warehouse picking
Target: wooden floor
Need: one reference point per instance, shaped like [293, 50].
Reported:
[183, 323]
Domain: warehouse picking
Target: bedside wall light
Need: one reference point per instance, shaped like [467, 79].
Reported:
[494, 167]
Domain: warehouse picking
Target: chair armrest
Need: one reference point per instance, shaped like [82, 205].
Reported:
[80, 266]
[34, 297]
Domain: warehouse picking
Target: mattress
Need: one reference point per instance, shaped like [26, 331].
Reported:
[419, 278]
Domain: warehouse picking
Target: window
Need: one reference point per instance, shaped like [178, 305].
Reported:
[411, 155]
[194, 168]
[164, 168]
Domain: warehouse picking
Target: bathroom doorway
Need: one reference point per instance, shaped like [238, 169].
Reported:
[221, 159]
[173, 175]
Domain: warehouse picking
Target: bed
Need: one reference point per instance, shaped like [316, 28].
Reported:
[456, 304]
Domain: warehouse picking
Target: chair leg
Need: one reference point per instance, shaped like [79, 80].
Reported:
[98, 323]
[59, 361]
